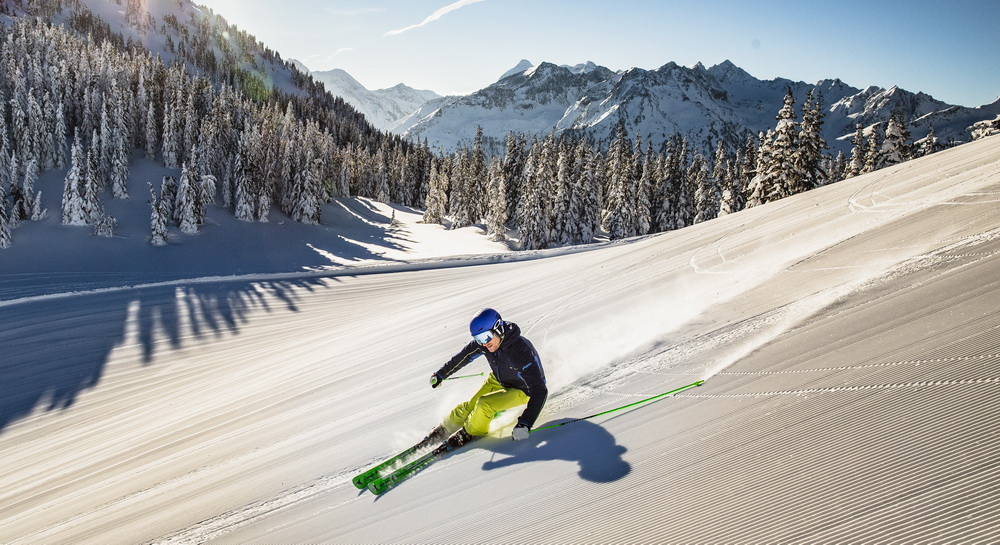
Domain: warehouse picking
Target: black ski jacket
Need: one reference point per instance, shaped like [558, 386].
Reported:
[515, 365]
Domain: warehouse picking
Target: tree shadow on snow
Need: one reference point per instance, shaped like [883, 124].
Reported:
[57, 337]
[592, 447]
[56, 348]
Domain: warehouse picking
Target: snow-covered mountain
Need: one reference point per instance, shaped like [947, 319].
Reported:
[382, 107]
[707, 104]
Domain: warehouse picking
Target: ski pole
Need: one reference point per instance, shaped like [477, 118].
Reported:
[648, 399]
[466, 376]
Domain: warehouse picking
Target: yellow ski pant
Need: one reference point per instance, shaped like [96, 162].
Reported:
[476, 414]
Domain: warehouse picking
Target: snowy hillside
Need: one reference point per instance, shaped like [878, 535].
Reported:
[848, 337]
[382, 107]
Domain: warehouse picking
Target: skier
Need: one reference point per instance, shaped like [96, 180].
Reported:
[516, 379]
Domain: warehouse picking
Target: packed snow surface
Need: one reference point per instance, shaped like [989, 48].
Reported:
[225, 388]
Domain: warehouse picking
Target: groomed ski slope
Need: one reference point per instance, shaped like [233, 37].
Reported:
[849, 338]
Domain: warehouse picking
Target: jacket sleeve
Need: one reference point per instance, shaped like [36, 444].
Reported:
[537, 393]
[460, 360]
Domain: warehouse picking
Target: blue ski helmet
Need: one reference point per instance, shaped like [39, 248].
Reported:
[487, 320]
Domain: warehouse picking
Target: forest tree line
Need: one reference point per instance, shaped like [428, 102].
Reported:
[556, 190]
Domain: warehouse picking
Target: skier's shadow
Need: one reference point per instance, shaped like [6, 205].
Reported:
[592, 447]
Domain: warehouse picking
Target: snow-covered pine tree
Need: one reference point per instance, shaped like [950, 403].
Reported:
[22, 206]
[809, 155]
[617, 219]
[496, 203]
[343, 184]
[707, 194]
[306, 209]
[929, 144]
[87, 119]
[59, 138]
[643, 223]
[185, 206]
[310, 206]
[898, 144]
[856, 166]
[172, 136]
[684, 207]
[4, 141]
[401, 183]
[545, 178]
[157, 219]
[721, 173]
[39, 135]
[657, 200]
[381, 186]
[756, 188]
[837, 169]
[8, 169]
[191, 128]
[37, 212]
[151, 131]
[245, 173]
[670, 194]
[531, 221]
[459, 205]
[72, 201]
[477, 179]
[103, 147]
[874, 155]
[732, 191]
[423, 167]
[205, 195]
[748, 167]
[435, 204]
[5, 237]
[513, 168]
[168, 196]
[562, 221]
[92, 180]
[20, 138]
[780, 175]
[586, 210]
[118, 144]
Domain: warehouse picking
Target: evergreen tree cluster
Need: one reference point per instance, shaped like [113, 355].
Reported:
[104, 99]
[886, 144]
[560, 190]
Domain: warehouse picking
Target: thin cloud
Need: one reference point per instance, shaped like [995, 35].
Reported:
[434, 16]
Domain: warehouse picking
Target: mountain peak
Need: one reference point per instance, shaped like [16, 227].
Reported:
[727, 71]
[582, 68]
[520, 68]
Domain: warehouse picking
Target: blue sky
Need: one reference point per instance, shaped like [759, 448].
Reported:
[947, 49]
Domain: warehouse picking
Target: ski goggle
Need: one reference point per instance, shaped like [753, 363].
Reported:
[485, 336]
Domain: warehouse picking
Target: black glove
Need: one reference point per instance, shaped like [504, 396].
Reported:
[436, 380]
[520, 432]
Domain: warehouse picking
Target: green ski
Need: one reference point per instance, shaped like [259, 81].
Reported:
[361, 480]
[382, 483]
